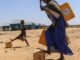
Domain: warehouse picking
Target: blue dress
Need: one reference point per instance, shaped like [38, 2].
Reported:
[56, 36]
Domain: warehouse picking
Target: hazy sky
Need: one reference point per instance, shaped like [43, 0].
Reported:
[12, 10]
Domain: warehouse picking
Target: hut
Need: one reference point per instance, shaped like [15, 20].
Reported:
[15, 26]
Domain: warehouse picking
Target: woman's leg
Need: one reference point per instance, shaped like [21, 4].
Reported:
[61, 56]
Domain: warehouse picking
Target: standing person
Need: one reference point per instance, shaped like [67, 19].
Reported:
[22, 35]
[55, 35]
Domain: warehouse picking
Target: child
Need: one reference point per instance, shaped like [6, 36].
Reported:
[22, 35]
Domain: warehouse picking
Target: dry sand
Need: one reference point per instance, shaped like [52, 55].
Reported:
[22, 52]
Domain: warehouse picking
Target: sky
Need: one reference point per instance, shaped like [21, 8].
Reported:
[14, 10]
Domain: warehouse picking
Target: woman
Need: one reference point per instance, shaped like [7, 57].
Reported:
[55, 35]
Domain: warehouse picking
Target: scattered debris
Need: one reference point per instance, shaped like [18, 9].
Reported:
[8, 45]
[1, 42]
[5, 51]
[38, 55]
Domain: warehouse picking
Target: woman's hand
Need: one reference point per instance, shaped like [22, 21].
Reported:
[41, 7]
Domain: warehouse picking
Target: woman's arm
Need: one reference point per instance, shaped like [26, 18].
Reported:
[52, 12]
[41, 7]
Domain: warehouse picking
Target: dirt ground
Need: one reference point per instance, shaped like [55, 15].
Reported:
[20, 51]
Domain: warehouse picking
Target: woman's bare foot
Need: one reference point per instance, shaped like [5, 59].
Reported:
[61, 57]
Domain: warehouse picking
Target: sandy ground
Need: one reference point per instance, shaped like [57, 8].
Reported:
[21, 52]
